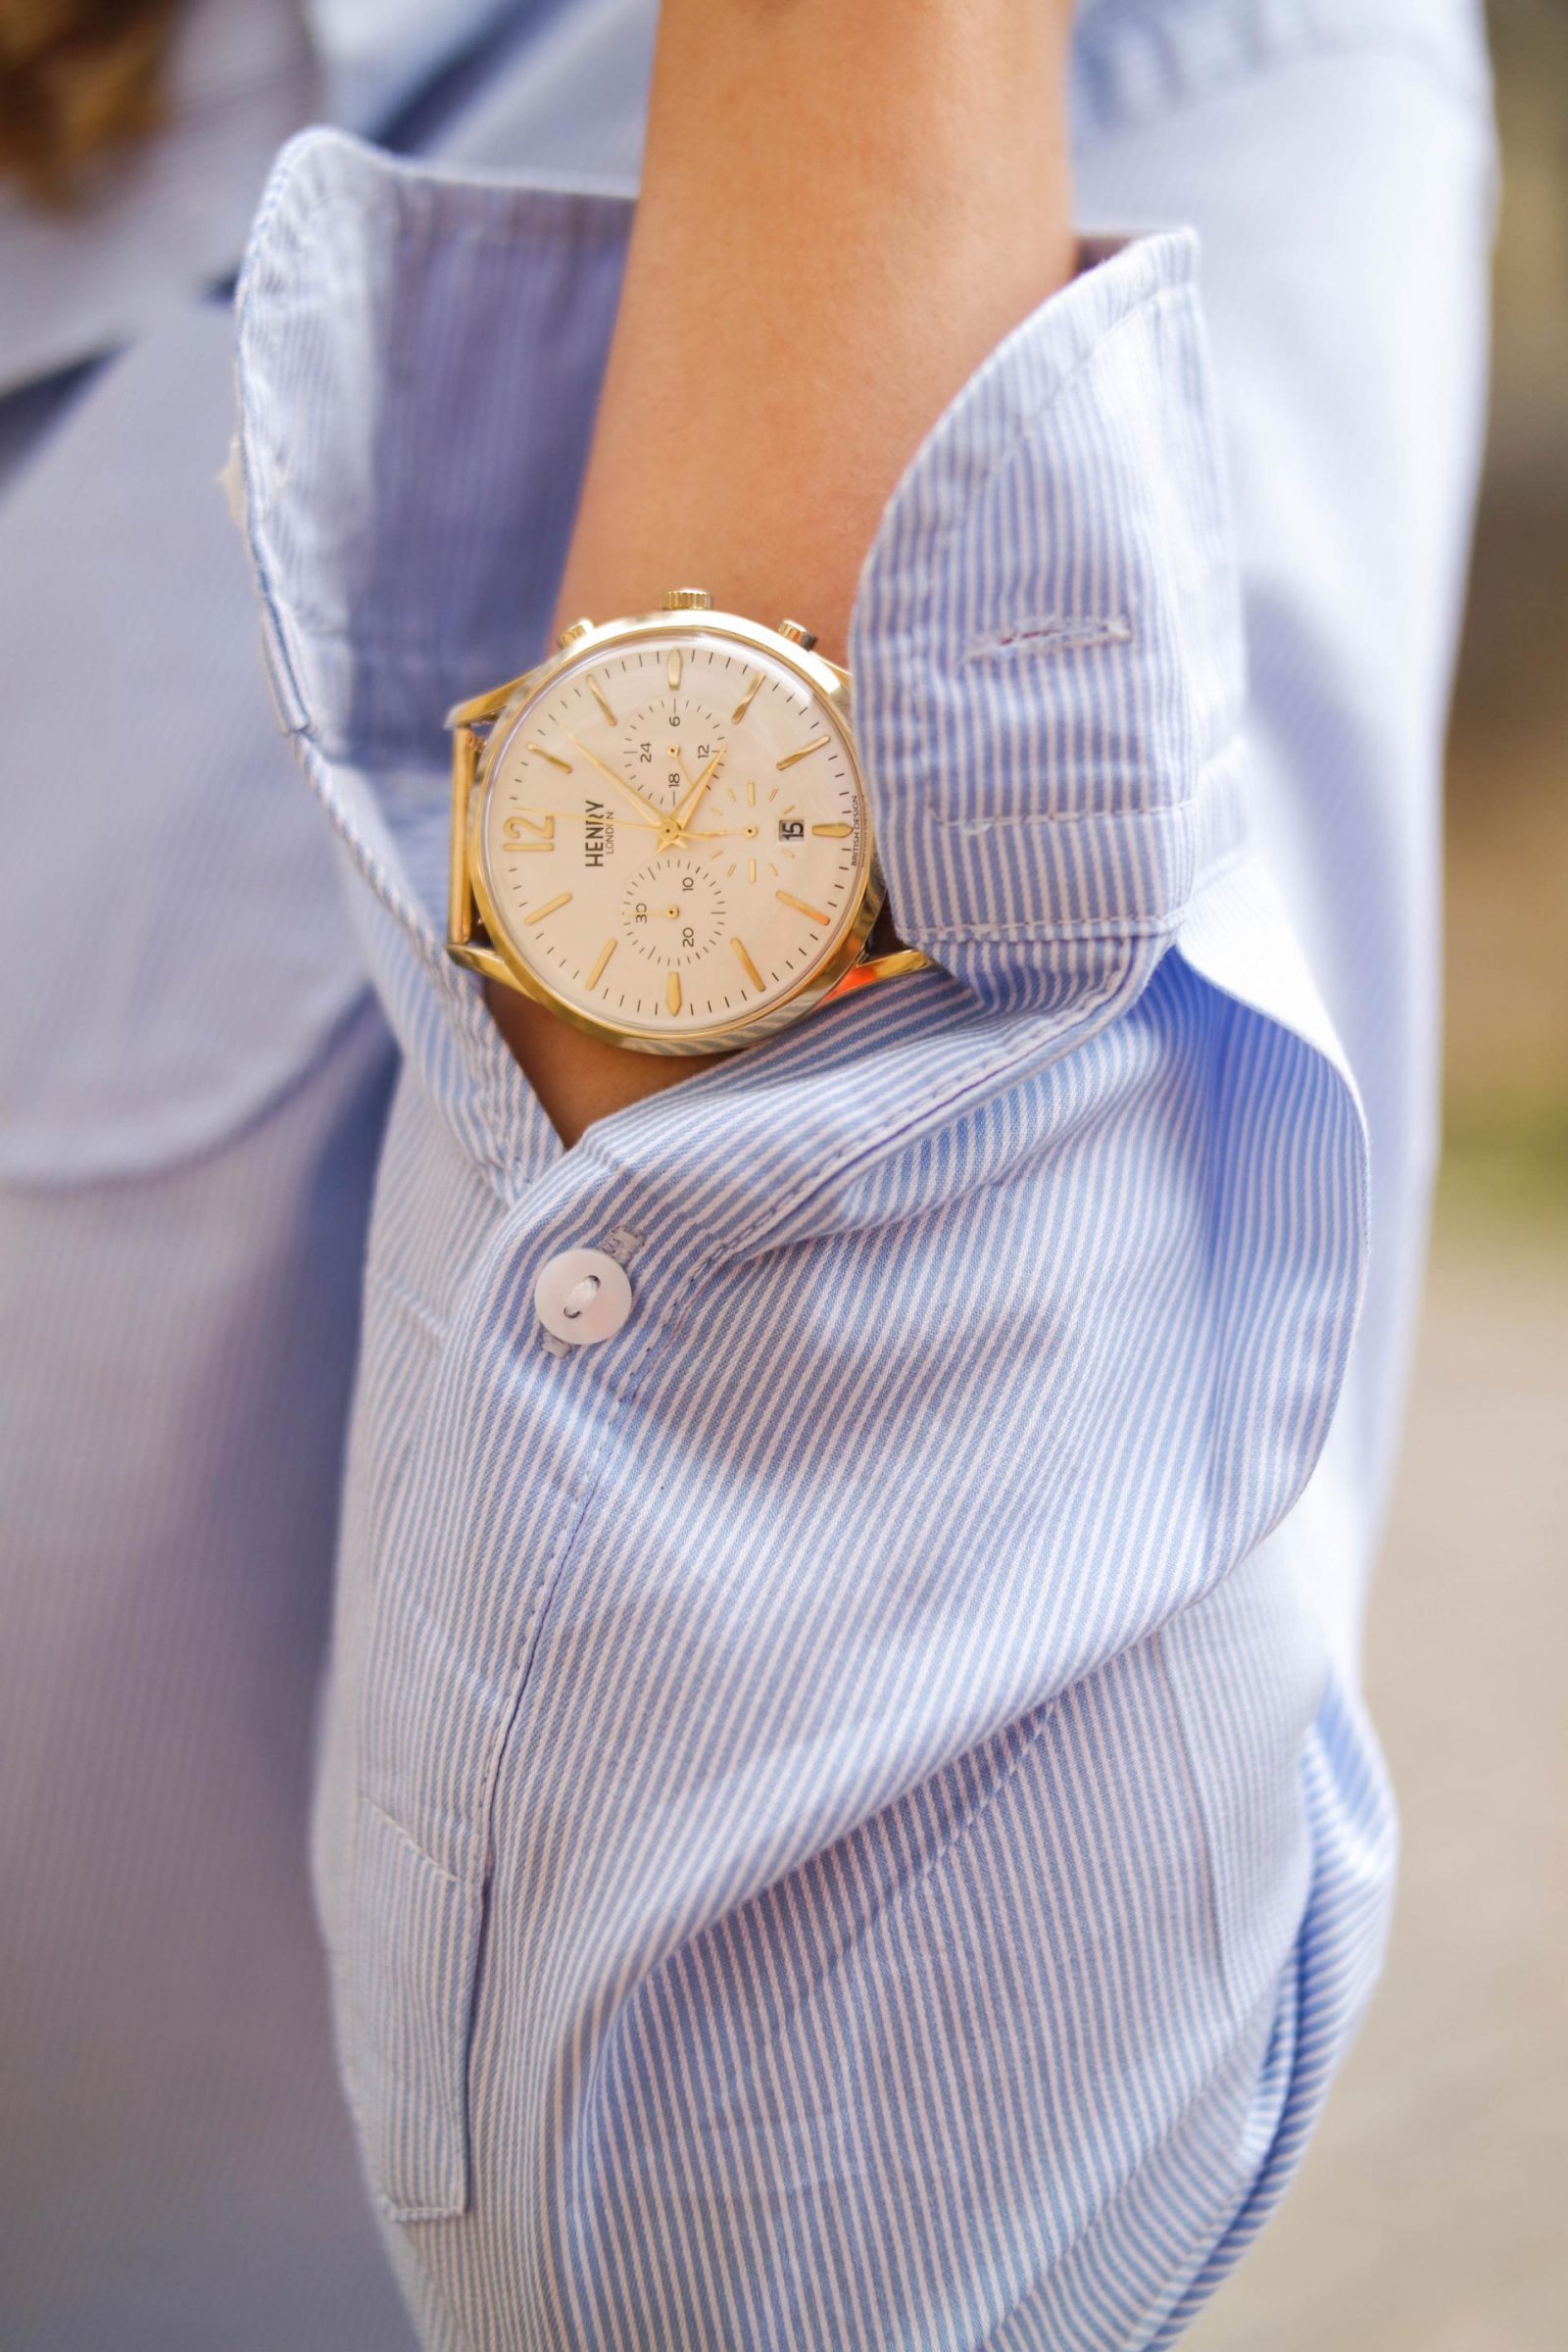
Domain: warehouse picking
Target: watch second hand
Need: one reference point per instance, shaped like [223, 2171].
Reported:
[688, 808]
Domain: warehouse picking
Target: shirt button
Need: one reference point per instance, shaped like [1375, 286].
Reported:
[582, 1296]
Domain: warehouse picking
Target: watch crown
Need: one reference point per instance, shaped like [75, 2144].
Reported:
[572, 631]
[798, 634]
[688, 600]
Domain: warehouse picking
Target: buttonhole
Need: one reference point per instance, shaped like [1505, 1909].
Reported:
[1054, 633]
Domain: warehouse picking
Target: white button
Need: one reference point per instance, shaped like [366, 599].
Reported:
[582, 1296]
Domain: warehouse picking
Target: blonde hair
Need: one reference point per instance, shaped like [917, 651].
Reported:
[79, 80]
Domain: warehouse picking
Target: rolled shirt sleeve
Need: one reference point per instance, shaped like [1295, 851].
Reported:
[838, 1819]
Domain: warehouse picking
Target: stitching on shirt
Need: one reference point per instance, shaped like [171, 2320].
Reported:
[1054, 633]
[523, 214]
[1150, 303]
[1158, 1649]
[1088, 927]
[1069, 817]
[1087, 1016]
[414, 1307]
[408, 1839]
[414, 2213]
[1212, 765]
[1105, 927]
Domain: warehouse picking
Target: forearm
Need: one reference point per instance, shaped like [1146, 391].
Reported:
[843, 210]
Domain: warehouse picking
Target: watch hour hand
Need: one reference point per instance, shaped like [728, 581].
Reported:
[570, 816]
[660, 815]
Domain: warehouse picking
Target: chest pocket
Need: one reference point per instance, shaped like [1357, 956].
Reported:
[407, 1977]
[413, 1720]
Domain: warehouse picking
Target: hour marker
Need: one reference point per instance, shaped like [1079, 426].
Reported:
[597, 693]
[831, 832]
[549, 908]
[799, 907]
[750, 869]
[745, 702]
[746, 963]
[674, 668]
[672, 991]
[603, 957]
[818, 742]
[538, 751]
[528, 833]
[751, 794]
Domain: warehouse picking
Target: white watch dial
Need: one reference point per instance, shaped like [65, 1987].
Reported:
[674, 833]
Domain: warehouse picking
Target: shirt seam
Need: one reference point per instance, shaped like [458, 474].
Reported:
[1091, 927]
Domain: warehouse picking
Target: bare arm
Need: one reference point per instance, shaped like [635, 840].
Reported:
[843, 210]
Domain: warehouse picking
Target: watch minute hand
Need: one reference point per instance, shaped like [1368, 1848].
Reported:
[688, 808]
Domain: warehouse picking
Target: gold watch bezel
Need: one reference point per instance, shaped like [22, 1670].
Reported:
[478, 936]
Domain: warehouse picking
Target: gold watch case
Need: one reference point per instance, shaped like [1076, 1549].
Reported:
[477, 935]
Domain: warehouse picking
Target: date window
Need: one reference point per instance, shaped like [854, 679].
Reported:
[792, 828]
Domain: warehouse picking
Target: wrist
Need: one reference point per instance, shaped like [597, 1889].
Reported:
[807, 288]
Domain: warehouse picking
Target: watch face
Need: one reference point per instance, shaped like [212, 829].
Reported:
[672, 838]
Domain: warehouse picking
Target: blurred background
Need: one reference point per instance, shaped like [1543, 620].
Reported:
[1430, 2215]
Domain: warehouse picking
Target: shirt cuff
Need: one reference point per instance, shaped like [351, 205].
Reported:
[1045, 643]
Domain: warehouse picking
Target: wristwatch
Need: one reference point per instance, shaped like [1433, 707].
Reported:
[662, 833]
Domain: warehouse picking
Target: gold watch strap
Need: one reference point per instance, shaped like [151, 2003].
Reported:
[872, 968]
[886, 959]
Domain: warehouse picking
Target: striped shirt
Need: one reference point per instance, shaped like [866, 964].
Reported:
[843, 1813]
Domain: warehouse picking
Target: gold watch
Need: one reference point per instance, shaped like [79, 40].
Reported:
[662, 833]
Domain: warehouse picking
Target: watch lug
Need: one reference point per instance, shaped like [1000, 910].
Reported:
[477, 959]
[461, 913]
[872, 968]
[483, 706]
[893, 967]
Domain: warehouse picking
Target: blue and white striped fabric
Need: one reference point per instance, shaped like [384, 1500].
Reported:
[844, 1814]
[841, 1822]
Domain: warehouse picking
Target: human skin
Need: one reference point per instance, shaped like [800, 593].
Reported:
[844, 208]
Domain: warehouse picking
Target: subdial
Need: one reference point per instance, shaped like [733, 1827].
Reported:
[673, 912]
[665, 746]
